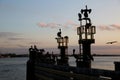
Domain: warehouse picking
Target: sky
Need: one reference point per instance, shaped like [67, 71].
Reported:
[27, 22]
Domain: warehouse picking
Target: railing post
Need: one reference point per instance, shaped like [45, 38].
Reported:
[30, 71]
[117, 70]
[117, 66]
[30, 75]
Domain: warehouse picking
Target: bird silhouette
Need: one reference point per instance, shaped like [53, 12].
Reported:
[80, 16]
[59, 33]
[76, 56]
[111, 42]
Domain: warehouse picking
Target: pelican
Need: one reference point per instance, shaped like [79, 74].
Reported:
[111, 42]
[59, 33]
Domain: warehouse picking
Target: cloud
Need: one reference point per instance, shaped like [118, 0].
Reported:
[104, 27]
[8, 34]
[34, 43]
[109, 27]
[67, 24]
[51, 25]
[21, 46]
[15, 38]
[11, 36]
[116, 26]
[70, 24]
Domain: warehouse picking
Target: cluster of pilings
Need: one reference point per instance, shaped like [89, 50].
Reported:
[86, 33]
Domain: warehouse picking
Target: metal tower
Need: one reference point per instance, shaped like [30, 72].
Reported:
[63, 46]
[86, 37]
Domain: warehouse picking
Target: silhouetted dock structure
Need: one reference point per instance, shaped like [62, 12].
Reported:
[45, 66]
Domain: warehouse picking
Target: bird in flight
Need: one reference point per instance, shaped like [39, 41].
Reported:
[111, 42]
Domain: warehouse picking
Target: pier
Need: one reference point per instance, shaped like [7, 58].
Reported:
[48, 66]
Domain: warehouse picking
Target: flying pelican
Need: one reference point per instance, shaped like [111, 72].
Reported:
[111, 42]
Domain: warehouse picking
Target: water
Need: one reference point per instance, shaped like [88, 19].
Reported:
[106, 63]
[15, 68]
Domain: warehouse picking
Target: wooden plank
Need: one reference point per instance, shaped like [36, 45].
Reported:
[85, 71]
[50, 75]
[42, 77]
[67, 74]
[95, 72]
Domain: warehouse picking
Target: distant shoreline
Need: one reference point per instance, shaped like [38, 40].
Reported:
[102, 55]
[12, 55]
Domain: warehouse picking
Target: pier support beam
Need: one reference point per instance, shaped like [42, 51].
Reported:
[63, 58]
[30, 71]
[117, 70]
[117, 66]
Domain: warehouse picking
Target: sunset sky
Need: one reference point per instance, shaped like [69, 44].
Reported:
[27, 22]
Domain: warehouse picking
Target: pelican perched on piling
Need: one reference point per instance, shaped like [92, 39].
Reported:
[59, 33]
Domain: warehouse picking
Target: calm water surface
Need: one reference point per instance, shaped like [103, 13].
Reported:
[100, 62]
[15, 68]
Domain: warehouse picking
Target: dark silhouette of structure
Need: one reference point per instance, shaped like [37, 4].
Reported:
[86, 37]
[63, 46]
[44, 65]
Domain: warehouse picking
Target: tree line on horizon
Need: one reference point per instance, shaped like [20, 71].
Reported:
[5, 55]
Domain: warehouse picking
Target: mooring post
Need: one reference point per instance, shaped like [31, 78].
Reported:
[117, 66]
[30, 73]
[63, 47]
[117, 71]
